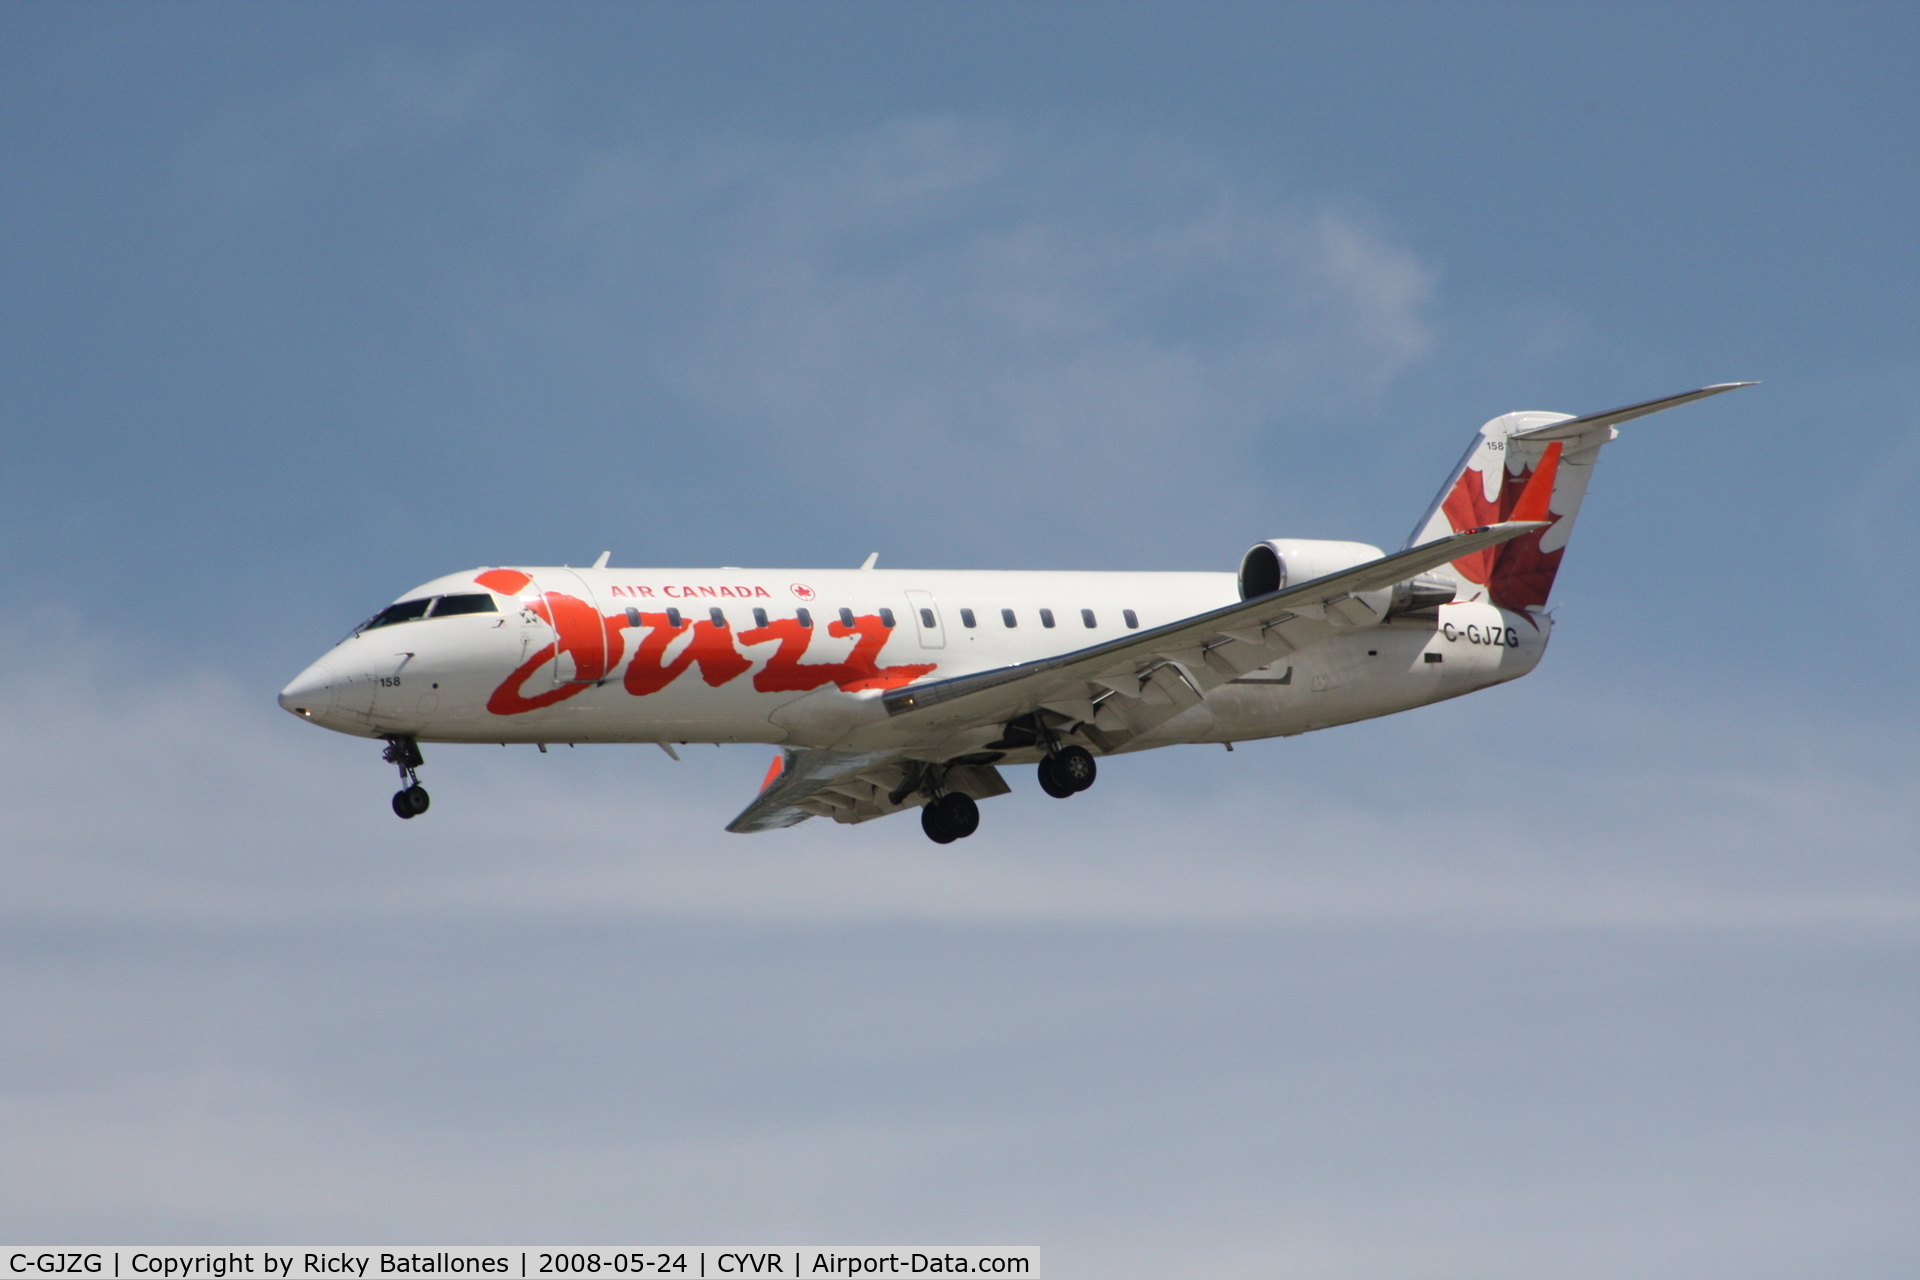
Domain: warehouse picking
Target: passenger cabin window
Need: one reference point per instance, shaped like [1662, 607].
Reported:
[806, 618]
[633, 616]
[1133, 619]
[1046, 617]
[1086, 616]
[926, 618]
[759, 617]
[717, 618]
[966, 617]
[1006, 616]
[478, 602]
[886, 619]
[846, 619]
[673, 617]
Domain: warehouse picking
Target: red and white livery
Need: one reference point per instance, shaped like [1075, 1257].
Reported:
[891, 689]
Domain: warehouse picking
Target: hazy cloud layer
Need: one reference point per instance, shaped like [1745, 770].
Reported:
[1375, 1000]
[227, 809]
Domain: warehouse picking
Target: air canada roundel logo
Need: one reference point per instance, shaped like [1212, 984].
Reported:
[801, 591]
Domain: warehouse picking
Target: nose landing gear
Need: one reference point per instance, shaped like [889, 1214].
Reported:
[404, 754]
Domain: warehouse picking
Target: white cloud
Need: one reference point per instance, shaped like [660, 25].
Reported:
[964, 324]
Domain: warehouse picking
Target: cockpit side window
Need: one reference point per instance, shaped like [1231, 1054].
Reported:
[479, 602]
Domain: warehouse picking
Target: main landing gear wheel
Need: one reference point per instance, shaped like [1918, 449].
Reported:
[951, 817]
[411, 802]
[1066, 771]
[1074, 766]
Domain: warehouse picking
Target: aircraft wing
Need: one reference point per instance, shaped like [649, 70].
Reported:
[851, 786]
[1125, 686]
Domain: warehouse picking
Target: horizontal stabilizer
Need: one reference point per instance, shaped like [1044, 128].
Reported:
[1572, 427]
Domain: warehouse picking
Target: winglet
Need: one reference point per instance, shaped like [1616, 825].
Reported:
[1533, 498]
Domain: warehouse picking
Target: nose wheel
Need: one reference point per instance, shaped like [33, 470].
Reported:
[404, 754]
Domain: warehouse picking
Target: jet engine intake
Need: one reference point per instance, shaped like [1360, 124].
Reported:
[1287, 562]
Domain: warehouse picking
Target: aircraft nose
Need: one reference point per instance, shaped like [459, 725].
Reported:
[312, 692]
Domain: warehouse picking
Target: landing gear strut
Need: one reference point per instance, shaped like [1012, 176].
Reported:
[404, 754]
[1066, 771]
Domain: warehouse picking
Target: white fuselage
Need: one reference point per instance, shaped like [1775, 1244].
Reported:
[538, 669]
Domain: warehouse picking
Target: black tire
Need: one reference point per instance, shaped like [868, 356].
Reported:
[933, 821]
[401, 805]
[963, 815]
[1051, 782]
[417, 799]
[1074, 767]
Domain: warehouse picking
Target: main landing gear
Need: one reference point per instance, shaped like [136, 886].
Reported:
[950, 816]
[404, 753]
[945, 815]
[1066, 771]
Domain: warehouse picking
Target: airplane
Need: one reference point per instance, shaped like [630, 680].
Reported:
[888, 690]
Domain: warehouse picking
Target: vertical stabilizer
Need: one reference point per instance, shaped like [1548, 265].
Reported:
[1489, 483]
[1486, 487]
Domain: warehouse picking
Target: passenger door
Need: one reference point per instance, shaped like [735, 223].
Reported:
[575, 618]
[926, 616]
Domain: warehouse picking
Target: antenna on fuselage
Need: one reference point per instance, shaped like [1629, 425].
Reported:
[873, 558]
[601, 563]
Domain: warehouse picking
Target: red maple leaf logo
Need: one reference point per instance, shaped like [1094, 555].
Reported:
[1516, 574]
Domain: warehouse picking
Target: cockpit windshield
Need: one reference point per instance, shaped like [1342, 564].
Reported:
[429, 607]
[446, 606]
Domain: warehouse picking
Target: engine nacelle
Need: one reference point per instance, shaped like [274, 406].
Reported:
[1423, 594]
[1287, 562]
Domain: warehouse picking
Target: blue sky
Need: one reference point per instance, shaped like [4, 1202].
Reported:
[1609, 969]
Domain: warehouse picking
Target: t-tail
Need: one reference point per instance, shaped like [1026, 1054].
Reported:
[1490, 485]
